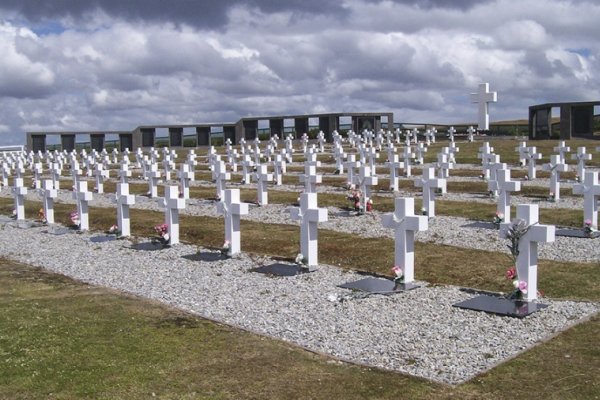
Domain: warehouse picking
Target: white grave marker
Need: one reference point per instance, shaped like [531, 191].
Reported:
[483, 97]
[590, 189]
[231, 208]
[429, 184]
[309, 216]
[172, 204]
[405, 223]
[124, 200]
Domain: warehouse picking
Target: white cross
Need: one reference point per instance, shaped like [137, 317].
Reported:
[100, 174]
[82, 197]
[37, 174]
[221, 176]
[408, 155]
[428, 137]
[186, 176]
[55, 174]
[504, 186]
[452, 150]
[393, 166]
[309, 216]
[278, 168]
[191, 159]
[124, 200]
[590, 189]
[483, 97]
[470, 132]
[451, 133]
[364, 182]
[562, 149]
[485, 152]
[75, 172]
[405, 223]
[247, 165]
[124, 173]
[522, 149]
[262, 178]
[310, 178]
[153, 175]
[311, 157]
[444, 165]
[351, 164]
[20, 191]
[532, 156]
[168, 165]
[48, 196]
[172, 204]
[419, 150]
[581, 158]
[231, 208]
[555, 166]
[429, 185]
[528, 245]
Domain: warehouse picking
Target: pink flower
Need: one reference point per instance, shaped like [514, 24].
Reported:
[397, 270]
[522, 286]
[511, 273]
[587, 222]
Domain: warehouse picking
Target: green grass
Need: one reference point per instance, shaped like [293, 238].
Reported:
[61, 339]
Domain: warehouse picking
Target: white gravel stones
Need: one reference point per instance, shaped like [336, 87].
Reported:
[417, 332]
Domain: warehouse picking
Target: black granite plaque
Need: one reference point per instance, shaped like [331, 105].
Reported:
[576, 233]
[279, 269]
[480, 224]
[379, 286]
[58, 230]
[148, 246]
[103, 238]
[206, 256]
[501, 306]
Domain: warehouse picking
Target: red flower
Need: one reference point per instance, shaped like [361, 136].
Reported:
[511, 273]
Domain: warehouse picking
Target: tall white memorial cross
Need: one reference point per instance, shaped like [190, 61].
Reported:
[262, 178]
[231, 208]
[185, 175]
[555, 166]
[405, 223]
[153, 175]
[483, 97]
[505, 185]
[48, 196]
[100, 174]
[590, 189]
[522, 150]
[429, 184]
[581, 158]
[532, 157]
[20, 191]
[309, 215]
[172, 204]
[124, 200]
[532, 234]
[393, 166]
[310, 178]
[562, 149]
[82, 196]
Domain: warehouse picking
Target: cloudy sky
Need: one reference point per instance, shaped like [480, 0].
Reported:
[115, 64]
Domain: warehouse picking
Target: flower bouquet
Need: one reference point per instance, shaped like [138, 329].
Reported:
[42, 216]
[588, 229]
[74, 216]
[226, 248]
[114, 230]
[498, 219]
[163, 234]
[398, 274]
[520, 287]
[301, 261]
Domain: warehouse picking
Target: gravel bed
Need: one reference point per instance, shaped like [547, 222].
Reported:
[416, 332]
[452, 231]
